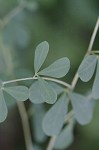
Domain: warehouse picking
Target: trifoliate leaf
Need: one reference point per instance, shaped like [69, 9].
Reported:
[57, 69]
[95, 89]
[40, 55]
[35, 94]
[54, 118]
[65, 138]
[87, 68]
[3, 107]
[48, 93]
[20, 93]
[83, 108]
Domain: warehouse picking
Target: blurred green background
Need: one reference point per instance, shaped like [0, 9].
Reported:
[67, 25]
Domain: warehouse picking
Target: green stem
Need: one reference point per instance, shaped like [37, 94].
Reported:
[35, 78]
[25, 125]
[75, 80]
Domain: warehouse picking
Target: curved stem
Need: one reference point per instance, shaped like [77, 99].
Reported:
[76, 77]
[35, 78]
[25, 124]
[74, 82]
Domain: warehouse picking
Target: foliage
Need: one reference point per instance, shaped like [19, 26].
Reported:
[44, 88]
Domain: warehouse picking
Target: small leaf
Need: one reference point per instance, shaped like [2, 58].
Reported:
[3, 107]
[58, 69]
[65, 138]
[95, 89]
[35, 94]
[20, 93]
[83, 108]
[48, 93]
[59, 89]
[39, 112]
[54, 118]
[40, 55]
[87, 68]
[0, 83]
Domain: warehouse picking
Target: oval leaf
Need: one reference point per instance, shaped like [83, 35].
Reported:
[54, 119]
[58, 69]
[65, 138]
[48, 93]
[35, 94]
[39, 112]
[20, 93]
[95, 89]
[87, 68]
[3, 107]
[40, 55]
[83, 108]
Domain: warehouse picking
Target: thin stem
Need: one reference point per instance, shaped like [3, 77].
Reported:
[51, 143]
[76, 77]
[69, 116]
[74, 82]
[93, 36]
[94, 52]
[35, 78]
[25, 124]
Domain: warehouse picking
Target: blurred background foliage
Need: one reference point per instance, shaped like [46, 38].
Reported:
[67, 25]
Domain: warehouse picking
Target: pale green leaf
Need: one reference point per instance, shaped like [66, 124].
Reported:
[65, 138]
[87, 68]
[39, 112]
[83, 108]
[95, 89]
[35, 94]
[48, 93]
[3, 107]
[10, 101]
[57, 69]
[54, 118]
[59, 89]
[40, 55]
[20, 93]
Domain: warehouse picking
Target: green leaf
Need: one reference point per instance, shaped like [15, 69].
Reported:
[10, 101]
[54, 118]
[40, 55]
[48, 93]
[39, 112]
[65, 138]
[3, 107]
[35, 94]
[83, 108]
[59, 89]
[57, 69]
[95, 89]
[0, 83]
[87, 68]
[20, 93]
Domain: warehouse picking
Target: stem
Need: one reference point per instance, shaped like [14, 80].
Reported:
[35, 78]
[51, 143]
[76, 77]
[94, 52]
[74, 82]
[25, 124]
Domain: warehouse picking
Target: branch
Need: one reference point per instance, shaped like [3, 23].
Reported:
[25, 124]
[35, 78]
[76, 77]
[74, 82]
